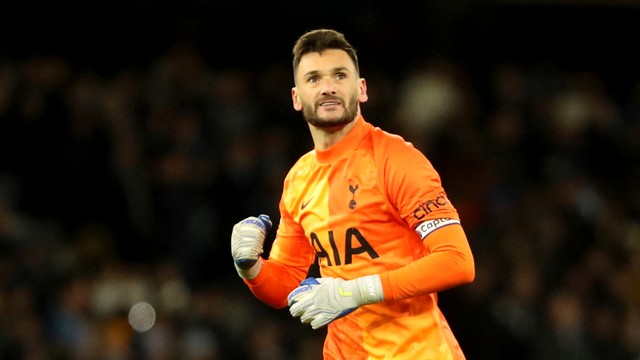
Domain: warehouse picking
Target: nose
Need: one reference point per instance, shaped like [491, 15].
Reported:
[328, 86]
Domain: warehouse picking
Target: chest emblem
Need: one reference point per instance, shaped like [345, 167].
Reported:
[353, 189]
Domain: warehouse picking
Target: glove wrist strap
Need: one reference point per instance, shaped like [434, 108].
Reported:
[370, 287]
[249, 273]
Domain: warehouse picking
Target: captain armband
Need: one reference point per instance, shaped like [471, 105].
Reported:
[427, 227]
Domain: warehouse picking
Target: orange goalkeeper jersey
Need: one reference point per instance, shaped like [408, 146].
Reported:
[372, 204]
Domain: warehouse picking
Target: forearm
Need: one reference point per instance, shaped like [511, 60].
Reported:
[274, 282]
[449, 264]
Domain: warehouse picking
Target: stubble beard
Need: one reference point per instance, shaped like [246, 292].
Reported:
[310, 114]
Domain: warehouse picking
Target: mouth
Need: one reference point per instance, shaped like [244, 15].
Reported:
[329, 103]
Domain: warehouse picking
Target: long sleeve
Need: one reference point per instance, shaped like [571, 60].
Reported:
[275, 281]
[448, 263]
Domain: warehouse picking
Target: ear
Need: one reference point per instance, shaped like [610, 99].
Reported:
[362, 96]
[295, 97]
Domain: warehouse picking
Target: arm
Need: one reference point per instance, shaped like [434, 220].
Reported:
[269, 280]
[449, 263]
[415, 189]
[275, 281]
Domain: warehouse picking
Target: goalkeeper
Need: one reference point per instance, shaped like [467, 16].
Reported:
[372, 210]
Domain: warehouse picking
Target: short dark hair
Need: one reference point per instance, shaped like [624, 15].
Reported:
[320, 40]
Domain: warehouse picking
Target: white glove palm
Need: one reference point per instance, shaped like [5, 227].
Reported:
[247, 241]
[320, 301]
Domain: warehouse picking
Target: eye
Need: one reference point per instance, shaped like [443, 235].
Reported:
[312, 79]
[341, 76]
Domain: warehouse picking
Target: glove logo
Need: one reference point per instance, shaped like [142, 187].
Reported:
[300, 289]
[342, 292]
[371, 288]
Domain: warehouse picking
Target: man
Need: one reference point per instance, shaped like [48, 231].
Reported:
[373, 211]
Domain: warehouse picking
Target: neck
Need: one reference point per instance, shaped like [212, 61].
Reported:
[324, 138]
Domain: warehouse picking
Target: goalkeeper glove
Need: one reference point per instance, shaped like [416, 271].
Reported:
[247, 241]
[320, 301]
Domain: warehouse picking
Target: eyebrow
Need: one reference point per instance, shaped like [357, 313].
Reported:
[333, 71]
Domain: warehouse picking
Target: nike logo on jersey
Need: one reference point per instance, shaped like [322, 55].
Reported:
[304, 204]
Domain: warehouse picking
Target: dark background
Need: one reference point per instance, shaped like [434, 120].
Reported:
[526, 228]
[109, 35]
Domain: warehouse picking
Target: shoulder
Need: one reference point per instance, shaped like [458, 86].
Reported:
[393, 145]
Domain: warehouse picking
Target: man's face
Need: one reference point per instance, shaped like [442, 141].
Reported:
[328, 89]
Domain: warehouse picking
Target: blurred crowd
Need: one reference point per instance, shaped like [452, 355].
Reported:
[123, 187]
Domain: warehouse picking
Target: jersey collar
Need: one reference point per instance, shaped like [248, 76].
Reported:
[348, 143]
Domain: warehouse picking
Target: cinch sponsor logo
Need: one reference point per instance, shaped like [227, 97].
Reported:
[428, 227]
[425, 208]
